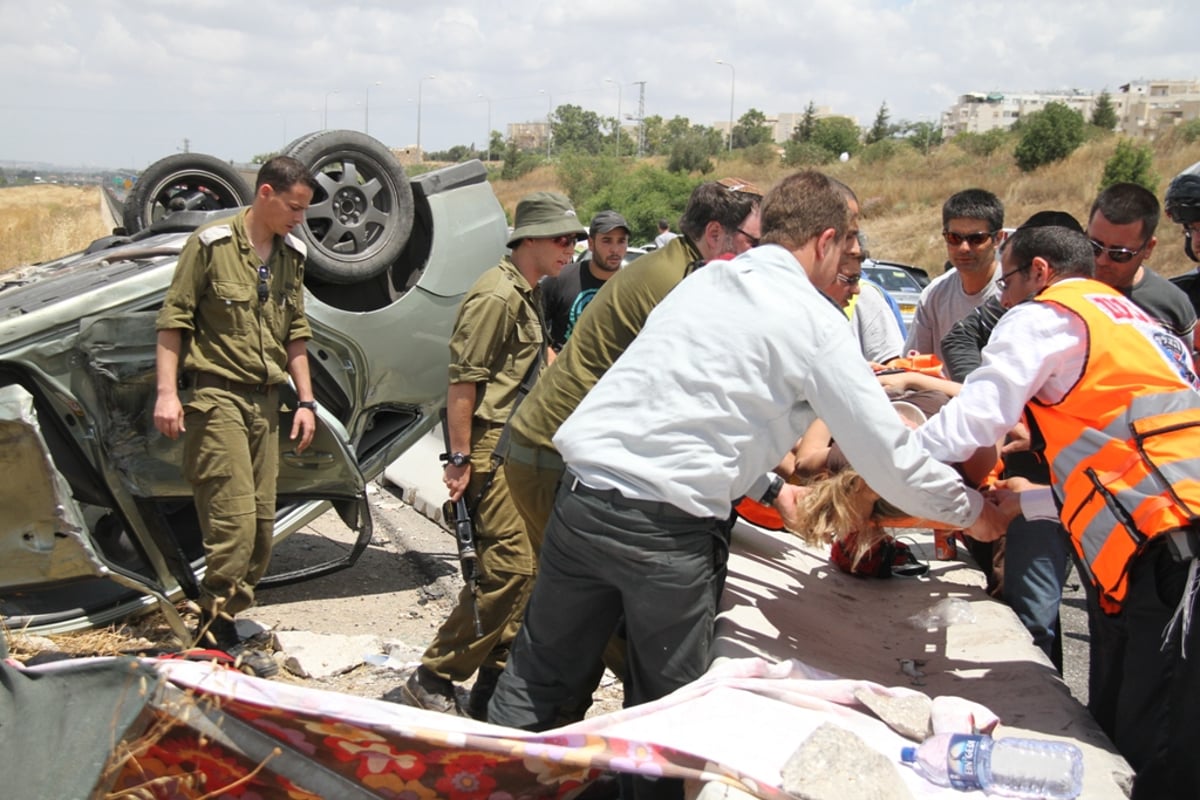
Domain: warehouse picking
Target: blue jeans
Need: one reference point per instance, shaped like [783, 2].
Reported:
[1036, 555]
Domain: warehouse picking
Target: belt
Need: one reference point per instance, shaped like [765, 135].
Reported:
[206, 380]
[536, 457]
[651, 507]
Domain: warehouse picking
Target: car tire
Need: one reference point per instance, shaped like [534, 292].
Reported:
[362, 213]
[185, 181]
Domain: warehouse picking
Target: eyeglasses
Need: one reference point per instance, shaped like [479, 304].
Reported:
[1118, 255]
[564, 240]
[264, 289]
[752, 239]
[1191, 229]
[974, 239]
[1002, 281]
[849, 280]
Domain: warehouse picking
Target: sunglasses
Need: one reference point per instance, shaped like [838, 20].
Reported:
[264, 289]
[849, 280]
[974, 239]
[564, 240]
[752, 239]
[1118, 255]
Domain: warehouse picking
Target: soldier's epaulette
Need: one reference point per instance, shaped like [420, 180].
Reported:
[297, 244]
[215, 234]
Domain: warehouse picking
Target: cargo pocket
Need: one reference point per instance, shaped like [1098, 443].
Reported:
[201, 460]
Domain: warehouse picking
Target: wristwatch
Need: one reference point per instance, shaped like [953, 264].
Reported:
[311, 405]
[773, 489]
[456, 459]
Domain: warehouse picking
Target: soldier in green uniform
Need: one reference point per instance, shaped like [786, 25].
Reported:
[233, 328]
[498, 337]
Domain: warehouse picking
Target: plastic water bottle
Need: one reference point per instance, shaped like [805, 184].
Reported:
[1009, 767]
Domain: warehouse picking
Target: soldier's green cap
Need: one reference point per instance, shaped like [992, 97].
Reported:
[544, 215]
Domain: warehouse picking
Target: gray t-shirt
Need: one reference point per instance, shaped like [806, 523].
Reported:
[943, 303]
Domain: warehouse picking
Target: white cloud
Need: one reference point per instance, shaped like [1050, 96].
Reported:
[126, 81]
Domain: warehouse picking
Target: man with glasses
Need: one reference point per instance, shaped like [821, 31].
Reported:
[238, 294]
[972, 221]
[1114, 406]
[662, 445]
[497, 342]
[1121, 228]
[872, 320]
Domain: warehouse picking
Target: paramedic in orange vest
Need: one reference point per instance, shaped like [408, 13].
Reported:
[1112, 401]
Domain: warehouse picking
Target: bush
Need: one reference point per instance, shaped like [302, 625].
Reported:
[690, 154]
[1130, 163]
[1188, 131]
[517, 162]
[581, 176]
[879, 152]
[982, 144]
[762, 154]
[806, 154]
[643, 197]
[1049, 135]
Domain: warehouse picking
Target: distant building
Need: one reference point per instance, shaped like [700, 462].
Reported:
[1143, 108]
[528, 135]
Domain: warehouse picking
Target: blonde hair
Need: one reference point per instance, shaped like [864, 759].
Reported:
[841, 506]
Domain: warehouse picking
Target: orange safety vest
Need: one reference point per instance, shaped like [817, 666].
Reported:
[1124, 443]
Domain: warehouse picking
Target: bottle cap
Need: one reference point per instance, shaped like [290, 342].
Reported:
[908, 754]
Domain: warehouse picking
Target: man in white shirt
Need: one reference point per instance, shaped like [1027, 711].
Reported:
[972, 221]
[1113, 404]
[672, 435]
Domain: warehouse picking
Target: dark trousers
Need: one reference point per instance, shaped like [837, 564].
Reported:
[604, 557]
[1036, 555]
[1145, 695]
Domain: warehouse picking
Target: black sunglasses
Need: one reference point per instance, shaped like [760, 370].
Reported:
[752, 239]
[1118, 255]
[974, 239]
[264, 290]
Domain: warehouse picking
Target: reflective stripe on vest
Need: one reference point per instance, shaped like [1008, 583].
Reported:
[1124, 442]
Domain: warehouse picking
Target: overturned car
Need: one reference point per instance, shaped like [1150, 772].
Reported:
[98, 521]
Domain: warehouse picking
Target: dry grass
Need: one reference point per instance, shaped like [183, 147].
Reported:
[902, 198]
[39, 223]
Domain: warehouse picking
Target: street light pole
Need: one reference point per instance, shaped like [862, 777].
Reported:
[549, 126]
[732, 83]
[610, 80]
[420, 155]
[367, 106]
[489, 126]
[325, 118]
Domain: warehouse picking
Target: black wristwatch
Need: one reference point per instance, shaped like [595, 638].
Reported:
[456, 459]
[773, 489]
[311, 405]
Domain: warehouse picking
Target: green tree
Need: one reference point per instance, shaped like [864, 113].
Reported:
[575, 130]
[982, 144]
[497, 144]
[804, 128]
[837, 135]
[881, 128]
[1130, 163]
[923, 136]
[751, 129]
[643, 196]
[693, 152]
[583, 176]
[806, 154]
[762, 154]
[1048, 135]
[516, 162]
[655, 133]
[1104, 116]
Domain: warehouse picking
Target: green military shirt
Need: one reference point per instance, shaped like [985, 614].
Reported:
[497, 336]
[603, 331]
[214, 298]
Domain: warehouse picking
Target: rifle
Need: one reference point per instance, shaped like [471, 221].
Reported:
[458, 515]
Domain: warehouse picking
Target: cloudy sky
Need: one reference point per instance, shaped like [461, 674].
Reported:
[123, 82]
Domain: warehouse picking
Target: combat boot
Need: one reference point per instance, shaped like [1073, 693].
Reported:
[424, 689]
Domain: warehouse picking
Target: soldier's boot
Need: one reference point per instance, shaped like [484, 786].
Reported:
[216, 631]
[424, 689]
[253, 660]
[482, 691]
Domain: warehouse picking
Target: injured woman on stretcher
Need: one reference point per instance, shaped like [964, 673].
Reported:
[840, 506]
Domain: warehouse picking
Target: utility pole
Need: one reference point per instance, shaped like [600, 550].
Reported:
[641, 118]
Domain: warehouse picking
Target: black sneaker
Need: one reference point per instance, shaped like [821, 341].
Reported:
[482, 691]
[424, 689]
[217, 632]
[253, 661]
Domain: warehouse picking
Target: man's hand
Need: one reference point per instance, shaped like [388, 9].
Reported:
[788, 505]
[304, 425]
[991, 523]
[168, 414]
[1007, 494]
[456, 480]
[1018, 440]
